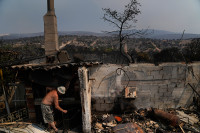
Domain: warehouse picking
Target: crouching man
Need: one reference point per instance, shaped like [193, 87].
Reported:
[46, 106]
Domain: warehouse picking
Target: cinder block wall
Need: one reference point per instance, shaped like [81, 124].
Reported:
[163, 86]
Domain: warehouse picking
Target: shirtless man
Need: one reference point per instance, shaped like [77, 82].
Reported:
[46, 106]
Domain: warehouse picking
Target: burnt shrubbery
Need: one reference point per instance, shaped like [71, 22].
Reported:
[168, 55]
[104, 49]
[192, 51]
[188, 54]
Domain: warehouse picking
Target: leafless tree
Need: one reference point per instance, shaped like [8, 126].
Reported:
[124, 21]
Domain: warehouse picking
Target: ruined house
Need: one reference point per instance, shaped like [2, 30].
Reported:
[96, 87]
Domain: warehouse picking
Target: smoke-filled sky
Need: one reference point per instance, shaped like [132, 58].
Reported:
[26, 16]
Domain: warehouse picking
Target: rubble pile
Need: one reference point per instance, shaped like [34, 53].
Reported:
[148, 121]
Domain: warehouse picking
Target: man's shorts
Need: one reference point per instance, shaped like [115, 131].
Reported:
[47, 113]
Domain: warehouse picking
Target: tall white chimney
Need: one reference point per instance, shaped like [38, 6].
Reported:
[50, 30]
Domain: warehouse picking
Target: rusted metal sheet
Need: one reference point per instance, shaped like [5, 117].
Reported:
[128, 128]
[52, 66]
[130, 92]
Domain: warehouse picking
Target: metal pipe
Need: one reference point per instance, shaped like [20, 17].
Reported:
[166, 117]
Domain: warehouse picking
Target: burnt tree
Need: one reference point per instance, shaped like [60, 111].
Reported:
[123, 22]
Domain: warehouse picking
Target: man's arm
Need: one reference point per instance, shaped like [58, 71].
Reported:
[57, 104]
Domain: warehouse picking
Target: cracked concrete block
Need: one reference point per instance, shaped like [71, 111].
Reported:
[144, 88]
[167, 75]
[151, 77]
[181, 85]
[156, 75]
[163, 87]
[160, 94]
[174, 73]
[129, 76]
[140, 75]
[172, 85]
[162, 90]
[177, 92]
[182, 76]
[167, 94]
[170, 89]
[167, 68]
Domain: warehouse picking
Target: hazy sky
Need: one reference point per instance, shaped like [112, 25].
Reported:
[26, 16]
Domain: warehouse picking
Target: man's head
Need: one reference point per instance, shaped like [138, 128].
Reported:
[61, 89]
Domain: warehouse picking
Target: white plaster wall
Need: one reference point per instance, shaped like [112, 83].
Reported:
[163, 86]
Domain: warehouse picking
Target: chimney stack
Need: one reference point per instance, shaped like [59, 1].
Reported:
[50, 31]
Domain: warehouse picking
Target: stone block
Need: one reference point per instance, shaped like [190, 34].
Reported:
[140, 75]
[181, 84]
[144, 93]
[167, 69]
[130, 83]
[163, 87]
[181, 76]
[177, 92]
[130, 76]
[144, 88]
[167, 94]
[149, 77]
[181, 69]
[160, 94]
[162, 90]
[174, 73]
[167, 75]
[170, 89]
[153, 94]
[172, 85]
[156, 75]
[153, 68]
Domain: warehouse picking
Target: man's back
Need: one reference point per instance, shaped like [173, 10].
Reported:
[50, 97]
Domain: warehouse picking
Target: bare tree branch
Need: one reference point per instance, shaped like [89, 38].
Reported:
[124, 21]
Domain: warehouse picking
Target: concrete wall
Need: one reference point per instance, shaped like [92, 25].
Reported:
[163, 86]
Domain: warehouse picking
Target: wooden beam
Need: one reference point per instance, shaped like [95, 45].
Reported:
[85, 93]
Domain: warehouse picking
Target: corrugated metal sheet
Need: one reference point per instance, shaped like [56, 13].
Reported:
[53, 66]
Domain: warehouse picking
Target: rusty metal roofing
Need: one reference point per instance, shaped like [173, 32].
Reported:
[53, 66]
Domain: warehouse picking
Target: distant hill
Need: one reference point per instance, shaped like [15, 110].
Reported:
[161, 34]
[153, 34]
[17, 36]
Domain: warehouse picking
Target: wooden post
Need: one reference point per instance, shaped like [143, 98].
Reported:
[85, 93]
[4, 93]
[30, 104]
[6, 100]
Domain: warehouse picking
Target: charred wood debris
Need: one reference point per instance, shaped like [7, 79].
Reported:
[150, 120]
